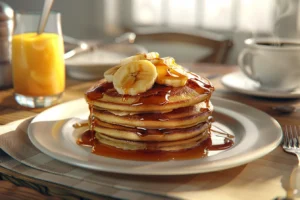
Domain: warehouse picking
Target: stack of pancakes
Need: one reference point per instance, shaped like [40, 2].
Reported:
[163, 118]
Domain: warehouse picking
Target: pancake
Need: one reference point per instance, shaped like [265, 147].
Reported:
[153, 146]
[143, 134]
[160, 98]
[180, 118]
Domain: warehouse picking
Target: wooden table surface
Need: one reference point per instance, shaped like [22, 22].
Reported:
[277, 161]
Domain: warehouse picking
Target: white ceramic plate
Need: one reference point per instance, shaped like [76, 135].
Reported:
[92, 65]
[238, 82]
[256, 134]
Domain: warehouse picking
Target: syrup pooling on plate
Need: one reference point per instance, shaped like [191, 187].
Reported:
[151, 108]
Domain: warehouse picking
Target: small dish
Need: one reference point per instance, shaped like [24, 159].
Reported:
[238, 82]
[91, 65]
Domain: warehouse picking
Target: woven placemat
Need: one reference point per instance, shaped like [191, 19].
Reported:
[26, 159]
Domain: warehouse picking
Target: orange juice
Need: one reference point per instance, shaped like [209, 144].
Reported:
[38, 64]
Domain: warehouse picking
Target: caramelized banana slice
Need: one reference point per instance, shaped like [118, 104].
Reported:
[109, 74]
[135, 77]
[170, 73]
[142, 56]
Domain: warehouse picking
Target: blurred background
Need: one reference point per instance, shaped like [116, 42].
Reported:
[233, 19]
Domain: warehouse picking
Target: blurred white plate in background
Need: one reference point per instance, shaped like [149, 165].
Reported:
[91, 65]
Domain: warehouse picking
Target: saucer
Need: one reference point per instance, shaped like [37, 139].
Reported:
[92, 65]
[238, 82]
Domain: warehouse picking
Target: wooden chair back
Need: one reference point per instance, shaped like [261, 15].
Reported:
[218, 44]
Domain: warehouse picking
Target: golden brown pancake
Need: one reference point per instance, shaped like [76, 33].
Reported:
[180, 118]
[160, 98]
[153, 146]
[143, 134]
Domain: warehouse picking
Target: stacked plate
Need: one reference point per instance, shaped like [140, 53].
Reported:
[91, 65]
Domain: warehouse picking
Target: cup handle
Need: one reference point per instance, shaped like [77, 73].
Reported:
[247, 68]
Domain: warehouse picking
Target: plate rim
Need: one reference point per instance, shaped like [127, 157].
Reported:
[258, 93]
[229, 163]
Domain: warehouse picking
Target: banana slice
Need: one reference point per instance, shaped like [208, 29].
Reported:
[142, 56]
[170, 73]
[176, 77]
[109, 74]
[135, 77]
[152, 55]
[170, 61]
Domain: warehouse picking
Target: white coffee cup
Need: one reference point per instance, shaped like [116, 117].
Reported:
[272, 62]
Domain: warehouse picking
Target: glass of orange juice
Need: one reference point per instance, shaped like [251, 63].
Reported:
[38, 61]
